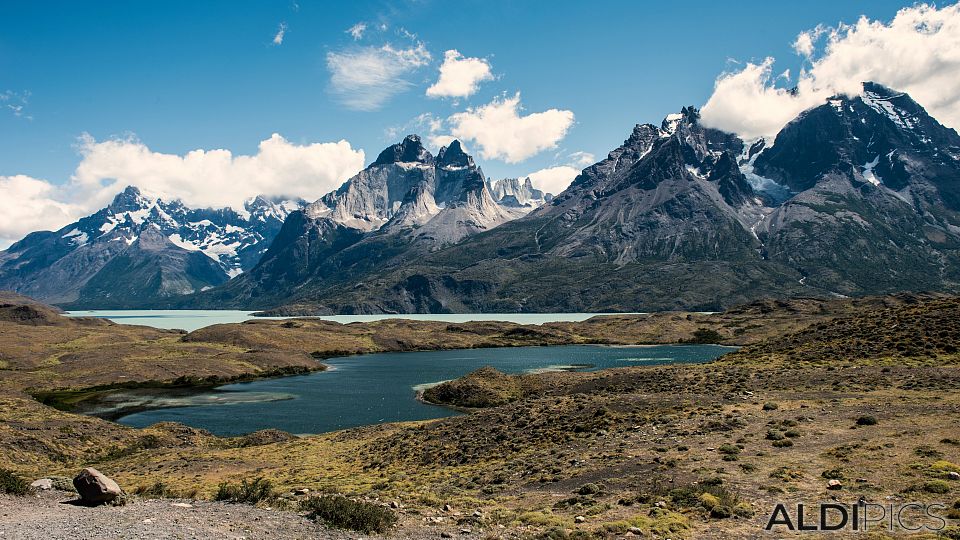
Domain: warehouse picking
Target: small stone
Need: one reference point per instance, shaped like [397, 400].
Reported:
[394, 505]
[42, 484]
[636, 531]
[148, 521]
[478, 514]
[953, 475]
[445, 534]
[661, 504]
[182, 505]
[301, 491]
[465, 531]
[447, 508]
[579, 519]
[834, 484]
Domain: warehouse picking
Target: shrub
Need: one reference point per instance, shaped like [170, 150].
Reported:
[833, 474]
[343, 513]
[247, 492]
[729, 449]
[589, 489]
[867, 421]
[927, 451]
[936, 486]
[709, 500]
[775, 435]
[785, 443]
[12, 484]
[706, 336]
[770, 406]
[743, 510]
[720, 512]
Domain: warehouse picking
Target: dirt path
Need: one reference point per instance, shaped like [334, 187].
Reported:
[45, 516]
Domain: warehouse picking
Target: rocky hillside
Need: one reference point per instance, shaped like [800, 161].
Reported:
[139, 249]
[405, 205]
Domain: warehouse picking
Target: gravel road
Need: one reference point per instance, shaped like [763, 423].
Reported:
[47, 516]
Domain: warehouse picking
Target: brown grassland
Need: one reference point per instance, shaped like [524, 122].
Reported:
[862, 391]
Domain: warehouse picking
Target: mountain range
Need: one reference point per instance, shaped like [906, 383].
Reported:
[140, 250]
[859, 195]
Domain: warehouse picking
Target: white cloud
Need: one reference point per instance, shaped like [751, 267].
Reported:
[16, 103]
[28, 204]
[214, 177]
[438, 141]
[747, 102]
[554, 179]
[357, 30]
[918, 52]
[805, 44]
[281, 31]
[501, 132]
[459, 76]
[582, 158]
[200, 178]
[364, 78]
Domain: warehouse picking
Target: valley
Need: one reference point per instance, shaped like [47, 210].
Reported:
[601, 452]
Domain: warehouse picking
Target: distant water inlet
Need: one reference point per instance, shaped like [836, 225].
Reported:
[371, 389]
[193, 319]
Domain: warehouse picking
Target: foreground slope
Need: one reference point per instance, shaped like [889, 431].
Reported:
[685, 451]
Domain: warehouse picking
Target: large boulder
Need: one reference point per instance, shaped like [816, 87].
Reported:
[95, 487]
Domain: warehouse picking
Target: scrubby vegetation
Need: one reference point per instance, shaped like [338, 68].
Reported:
[249, 492]
[12, 484]
[343, 513]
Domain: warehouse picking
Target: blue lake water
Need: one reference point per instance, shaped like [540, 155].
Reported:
[193, 319]
[375, 388]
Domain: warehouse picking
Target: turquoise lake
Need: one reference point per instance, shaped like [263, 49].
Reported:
[376, 388]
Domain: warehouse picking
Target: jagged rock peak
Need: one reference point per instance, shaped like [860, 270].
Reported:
[409, 150]
[454, 156]
[129, 199]
[687, 116]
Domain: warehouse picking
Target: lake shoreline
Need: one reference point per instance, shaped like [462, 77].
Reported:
[85, 400]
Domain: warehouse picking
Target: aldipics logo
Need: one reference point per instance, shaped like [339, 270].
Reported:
[857, 517]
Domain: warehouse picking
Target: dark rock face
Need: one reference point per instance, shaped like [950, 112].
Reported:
[876, 183]
[857, 196]
[138, 249]
[404, 205]
[860, 195]
[410, 150]
[95, 487]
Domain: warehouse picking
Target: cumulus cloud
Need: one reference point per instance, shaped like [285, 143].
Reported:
[917, 52]
[200, 178]
[214, 177]
[582, 158]
[281, 31]
[364, 78]
[749, 104]
[500, 131]
[357, 30]
[29, 204]
[554, 179]
[459, 76]
[805, 44]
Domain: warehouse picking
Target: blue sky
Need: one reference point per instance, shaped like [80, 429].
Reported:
[188, 75]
